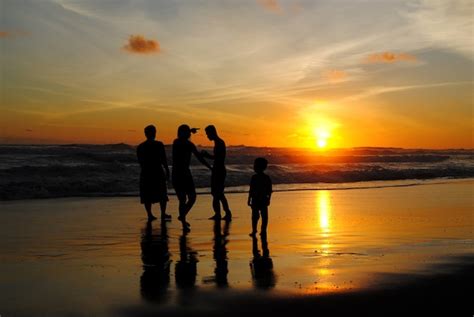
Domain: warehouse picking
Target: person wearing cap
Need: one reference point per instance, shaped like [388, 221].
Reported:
[182, 178]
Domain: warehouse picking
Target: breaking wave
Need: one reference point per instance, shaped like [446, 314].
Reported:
[111, 170]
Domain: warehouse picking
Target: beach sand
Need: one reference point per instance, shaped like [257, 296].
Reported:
[360, 251]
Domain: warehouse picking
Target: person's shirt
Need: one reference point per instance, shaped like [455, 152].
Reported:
[219, 153]
[151, 156]
[260, 189]
[182, 150]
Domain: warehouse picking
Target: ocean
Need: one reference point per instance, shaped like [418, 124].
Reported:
[47, 171]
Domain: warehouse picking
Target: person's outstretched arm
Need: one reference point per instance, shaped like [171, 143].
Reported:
[208, 155]
[200, 157]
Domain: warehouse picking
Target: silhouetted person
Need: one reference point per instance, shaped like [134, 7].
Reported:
[183, 182]
[260, 194]
[220, 253]
[261, 266]
[155, 278]
[218, 174]
[154, 173]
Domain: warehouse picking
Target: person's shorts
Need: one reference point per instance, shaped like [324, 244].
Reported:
[153, 188]
[183, 184]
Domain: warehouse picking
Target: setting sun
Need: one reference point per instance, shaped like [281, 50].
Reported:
[319, 131]
[322, 136]
[322, 143]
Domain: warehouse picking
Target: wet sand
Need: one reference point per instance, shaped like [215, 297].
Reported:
[356, 251]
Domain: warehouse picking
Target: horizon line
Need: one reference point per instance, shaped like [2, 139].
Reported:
[249, 146]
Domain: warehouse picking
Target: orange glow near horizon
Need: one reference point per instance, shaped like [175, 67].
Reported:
[319, 125]
[315, 133]
[319, 132]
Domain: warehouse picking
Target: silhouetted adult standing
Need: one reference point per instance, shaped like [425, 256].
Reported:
[183, 182]
[219, 174]
[154, 173]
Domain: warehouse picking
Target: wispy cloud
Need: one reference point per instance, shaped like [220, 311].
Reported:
[389, 57]
[75, 8]
[446, 24]
[377, 90]
[270, 5]
[140, 45]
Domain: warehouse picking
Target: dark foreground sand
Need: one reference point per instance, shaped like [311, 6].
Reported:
[446, 293]
[390, 251]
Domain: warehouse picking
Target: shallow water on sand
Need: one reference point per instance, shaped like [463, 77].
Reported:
[89, 256]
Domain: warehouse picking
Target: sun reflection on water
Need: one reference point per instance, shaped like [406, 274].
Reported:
[323, 211]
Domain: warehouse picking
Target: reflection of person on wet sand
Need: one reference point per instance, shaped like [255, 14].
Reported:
[218, 174]
[260, 194]
[155, 278]
[186, 266]
[183, 182]
[152, 158]
[261, 266]
[220, 253]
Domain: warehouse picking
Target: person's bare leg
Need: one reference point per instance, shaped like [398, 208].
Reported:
[225, 206]
[182, 207]
[216, 205]
[182, 214]
[164, 215]
[263, 230]
[255, 217]
[148, 211]
[190, 203]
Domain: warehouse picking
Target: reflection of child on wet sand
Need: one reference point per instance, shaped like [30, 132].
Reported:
[261, 266]
[259, 195]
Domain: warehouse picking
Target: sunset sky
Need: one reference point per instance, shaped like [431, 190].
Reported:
[266, 72]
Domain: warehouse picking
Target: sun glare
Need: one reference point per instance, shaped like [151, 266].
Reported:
[322, 136]
[317, 131]
[322, 143]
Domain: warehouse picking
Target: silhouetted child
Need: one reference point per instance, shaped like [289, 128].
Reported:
[259, 195]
